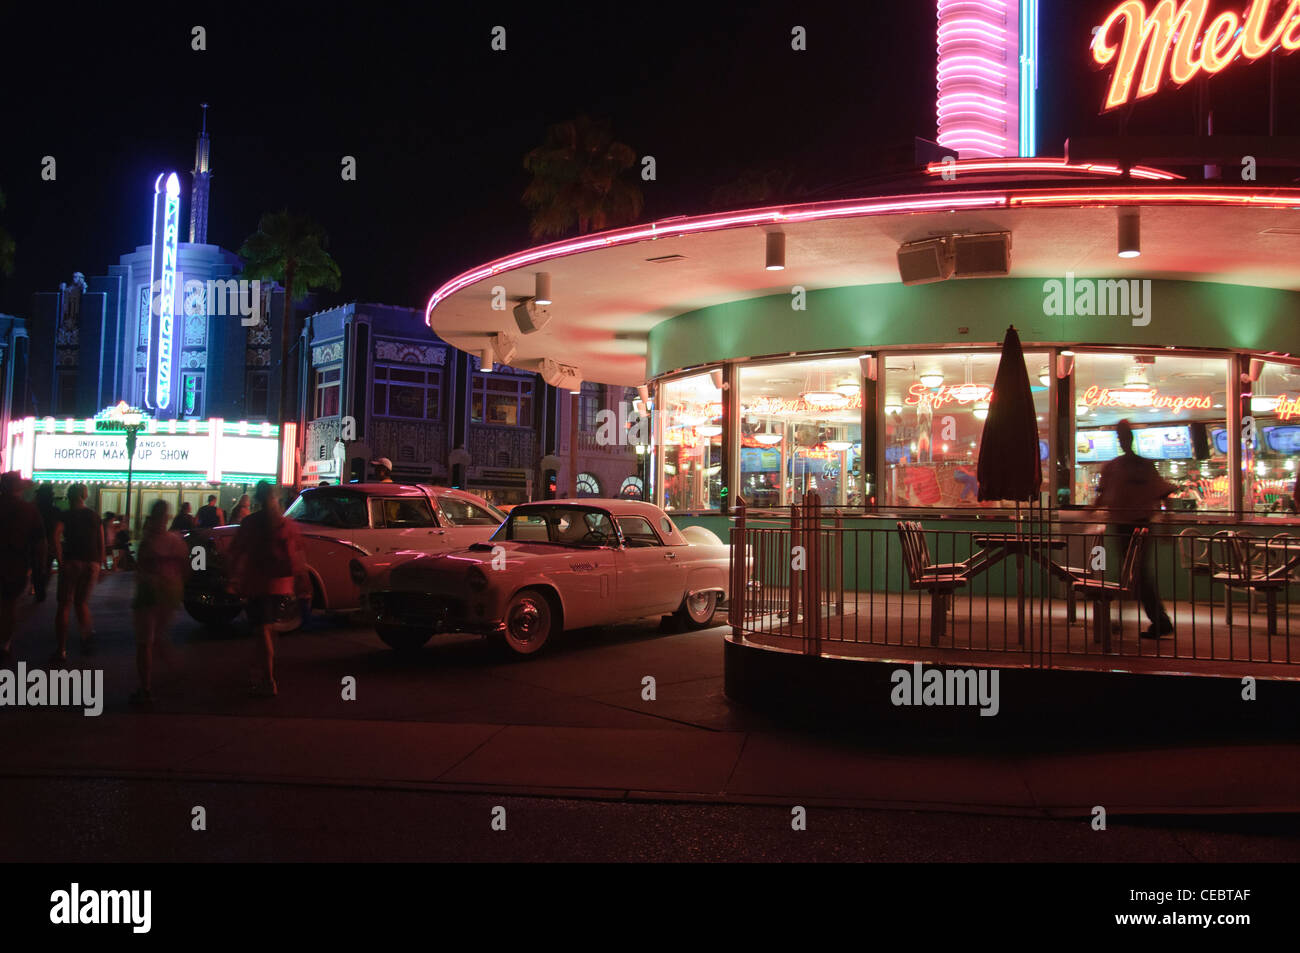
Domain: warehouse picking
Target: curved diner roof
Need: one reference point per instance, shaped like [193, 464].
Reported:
[611, 288]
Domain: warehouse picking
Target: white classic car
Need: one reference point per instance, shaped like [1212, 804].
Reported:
[551, 566]
[339, 523]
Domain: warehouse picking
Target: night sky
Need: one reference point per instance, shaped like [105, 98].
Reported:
[439, 122]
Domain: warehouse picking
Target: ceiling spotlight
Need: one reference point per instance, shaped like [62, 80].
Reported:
[1130, 232]
[776, 251]
[543, 292]
[981, 410]
[485, 359]
[932, 380]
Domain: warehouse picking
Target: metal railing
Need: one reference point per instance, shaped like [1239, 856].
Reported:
[1036, 592]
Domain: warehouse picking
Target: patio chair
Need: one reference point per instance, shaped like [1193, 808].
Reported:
[1237, 563]
[1194, 557]
[938, 579]
[1102, 593]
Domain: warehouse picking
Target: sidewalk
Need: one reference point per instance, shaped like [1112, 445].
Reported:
[645, 764]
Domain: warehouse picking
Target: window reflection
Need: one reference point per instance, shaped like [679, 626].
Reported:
[935, 408]
[801, 431]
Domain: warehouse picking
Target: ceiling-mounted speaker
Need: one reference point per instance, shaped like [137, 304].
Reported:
[920, 263]
[505, 346]
[563, 376]
[530, 316]
[982, 256]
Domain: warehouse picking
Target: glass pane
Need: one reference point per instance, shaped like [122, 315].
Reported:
[407, 513]
[406, 374]
[801, 432]
[935, 407]
[464, 513]
[1177, 408]
[405, 401]
[381, 399]
[692, 449]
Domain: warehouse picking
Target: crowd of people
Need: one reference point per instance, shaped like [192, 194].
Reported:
[267, 569]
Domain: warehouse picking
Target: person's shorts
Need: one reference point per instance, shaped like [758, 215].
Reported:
[76, 579]
[268, 610]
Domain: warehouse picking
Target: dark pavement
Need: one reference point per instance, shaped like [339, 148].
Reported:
[431, 743]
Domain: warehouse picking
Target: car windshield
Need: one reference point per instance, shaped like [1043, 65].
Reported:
[566, 525]
[337, 510]
[465, 513]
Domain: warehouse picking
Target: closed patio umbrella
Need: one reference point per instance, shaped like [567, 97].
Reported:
[1009, 464]
[1010, 467]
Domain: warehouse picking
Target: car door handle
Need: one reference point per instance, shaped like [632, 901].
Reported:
[670, 555]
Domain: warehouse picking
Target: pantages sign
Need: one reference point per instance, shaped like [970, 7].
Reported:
[1178, 40]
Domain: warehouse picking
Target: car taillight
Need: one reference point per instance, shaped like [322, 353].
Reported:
[357, 571]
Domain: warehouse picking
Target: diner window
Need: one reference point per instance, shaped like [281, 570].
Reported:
[633, 488]
[407, 390]
[935, 408]
[1177, 408]
[328, 389]
[801, 432]
[1269, 477]
[588, 485]
[192, 394]
[502, 400]
[692, 443]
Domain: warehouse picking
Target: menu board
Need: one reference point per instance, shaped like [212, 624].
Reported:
[759, 460]
[1163, 443]
[1096, 446]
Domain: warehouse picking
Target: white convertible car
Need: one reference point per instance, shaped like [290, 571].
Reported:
[551, 566]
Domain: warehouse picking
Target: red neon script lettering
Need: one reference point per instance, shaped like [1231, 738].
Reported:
[1143, 54]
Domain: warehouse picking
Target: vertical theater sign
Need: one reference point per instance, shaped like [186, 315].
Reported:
[162, 290]
[1177, 41]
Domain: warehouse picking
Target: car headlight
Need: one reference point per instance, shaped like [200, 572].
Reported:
[357, 572]
[477, 580]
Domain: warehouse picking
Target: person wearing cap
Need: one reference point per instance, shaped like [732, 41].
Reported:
[383, 469]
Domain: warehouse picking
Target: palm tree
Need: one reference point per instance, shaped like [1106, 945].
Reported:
[581, 178]
[290, 249]
[6, 246]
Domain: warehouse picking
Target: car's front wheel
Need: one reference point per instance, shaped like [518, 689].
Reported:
[402, 638]
[213, 616]
[697, 611]
[530, 621]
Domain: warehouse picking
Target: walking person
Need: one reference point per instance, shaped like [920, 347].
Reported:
[242, 509]
[383, 469]
[1130, 492]
[159, 584]
[184, 521]
[210, 515]
[79, 547]
[22, 553]
[110, 524]
[49, 514]
[268, 563]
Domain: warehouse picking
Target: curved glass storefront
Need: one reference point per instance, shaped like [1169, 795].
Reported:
[898, 426]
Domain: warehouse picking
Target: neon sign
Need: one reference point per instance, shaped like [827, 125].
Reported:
[918, 394]
[1144, 397]
[1287, 407]
[162, 276]
[1150, 37]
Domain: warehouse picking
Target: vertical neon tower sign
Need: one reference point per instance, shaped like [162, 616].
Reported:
[988, 77]
[162, 290]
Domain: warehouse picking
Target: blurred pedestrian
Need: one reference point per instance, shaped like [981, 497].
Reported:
[242, 509]
[49, 520]
[22, 553]
[184, 521]
[210, 515]
[79, 547]
[269, 567]
[159, 585]
[110, 524]
[1131, 491]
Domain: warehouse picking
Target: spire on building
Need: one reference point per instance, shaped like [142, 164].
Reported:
[199, 192]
